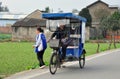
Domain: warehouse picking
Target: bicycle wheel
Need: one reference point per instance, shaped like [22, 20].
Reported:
[53, 63]
[82, 60]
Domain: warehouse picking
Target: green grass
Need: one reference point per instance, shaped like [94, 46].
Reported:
[91, 47]
[16, 57]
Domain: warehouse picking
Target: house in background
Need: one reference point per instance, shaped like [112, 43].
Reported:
[24, 29]
[97, 9]
[100, 6]
[7, 20]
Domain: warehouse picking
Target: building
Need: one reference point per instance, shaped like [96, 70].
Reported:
[98, 9]
[8, 19]
[24, 29]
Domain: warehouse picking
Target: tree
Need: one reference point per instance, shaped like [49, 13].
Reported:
[47, 10]
[100, 14]
[3, 9]
[115, 25]
[6, 9]
[111, 23]
[105, 26]
[60, 11]
[85, 13]
[75, 11]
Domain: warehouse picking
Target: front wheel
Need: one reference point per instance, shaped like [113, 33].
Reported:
[53, 63]
[82, 60]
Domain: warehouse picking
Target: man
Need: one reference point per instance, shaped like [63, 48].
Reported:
[61, 34]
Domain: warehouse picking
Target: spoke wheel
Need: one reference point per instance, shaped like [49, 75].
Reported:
[53, 63]
[82, 60]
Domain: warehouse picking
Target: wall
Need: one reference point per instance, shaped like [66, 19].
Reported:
[27, 33]
[98, 6]
[112, 10]
[23, 33]
[4, 22]
[87, 33]
[6, 30]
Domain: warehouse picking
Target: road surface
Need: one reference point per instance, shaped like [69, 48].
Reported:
[101, 66]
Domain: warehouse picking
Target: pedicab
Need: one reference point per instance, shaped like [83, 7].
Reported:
[74, 30]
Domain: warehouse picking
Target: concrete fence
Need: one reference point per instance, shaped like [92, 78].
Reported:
[6, 30]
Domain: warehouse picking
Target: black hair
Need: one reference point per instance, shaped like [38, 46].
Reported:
[40, 29]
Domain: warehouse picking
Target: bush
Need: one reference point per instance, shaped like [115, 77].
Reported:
[5, 37]
[95, 38]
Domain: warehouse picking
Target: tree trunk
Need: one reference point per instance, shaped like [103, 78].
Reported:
[98, 47]
[110, 43]
[118, 35]
[114, 40]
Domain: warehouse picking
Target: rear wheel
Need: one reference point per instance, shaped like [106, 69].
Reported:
[82, 60]
[53, 63]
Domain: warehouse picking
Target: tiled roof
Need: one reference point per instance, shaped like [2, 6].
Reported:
[33, 19]
[99, 1]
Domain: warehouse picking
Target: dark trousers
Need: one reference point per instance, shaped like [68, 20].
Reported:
[40, 58]
[64, 47]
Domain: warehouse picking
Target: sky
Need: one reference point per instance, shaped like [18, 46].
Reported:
[28, 6]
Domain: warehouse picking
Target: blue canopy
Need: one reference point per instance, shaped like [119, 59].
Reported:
[62, 16]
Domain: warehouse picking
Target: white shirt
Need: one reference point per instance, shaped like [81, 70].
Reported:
[39, 42]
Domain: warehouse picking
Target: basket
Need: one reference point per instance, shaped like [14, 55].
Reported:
[54, 43]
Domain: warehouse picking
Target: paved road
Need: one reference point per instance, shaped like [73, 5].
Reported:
[100, 66]
[103, 67]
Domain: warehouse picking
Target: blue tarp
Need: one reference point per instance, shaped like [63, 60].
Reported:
[62, 16]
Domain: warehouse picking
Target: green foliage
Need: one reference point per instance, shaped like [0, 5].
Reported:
[97, 37]
[5, 37]
[0, 77]
[115, 21]
[47, 10]
[111, 22]
[85, 13]
[116, 16]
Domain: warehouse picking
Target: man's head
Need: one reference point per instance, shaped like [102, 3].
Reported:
[62, 27]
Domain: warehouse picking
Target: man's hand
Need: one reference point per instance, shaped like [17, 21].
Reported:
[48, 40]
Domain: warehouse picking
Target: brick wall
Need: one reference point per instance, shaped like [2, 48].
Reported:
[5, 30]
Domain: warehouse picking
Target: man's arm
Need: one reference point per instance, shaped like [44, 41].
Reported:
[53, 35]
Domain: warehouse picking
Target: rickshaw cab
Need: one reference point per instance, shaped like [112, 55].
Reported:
[74, 30]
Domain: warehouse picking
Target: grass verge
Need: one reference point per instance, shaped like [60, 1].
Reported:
[16, 57]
